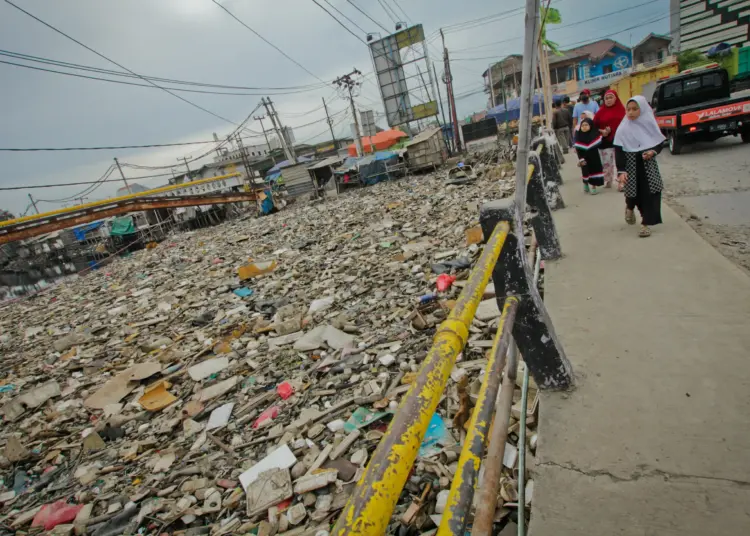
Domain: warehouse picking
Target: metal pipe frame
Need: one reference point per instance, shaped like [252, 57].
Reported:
[461, 493]
[493, 464]
[369, 509]
[22, 231]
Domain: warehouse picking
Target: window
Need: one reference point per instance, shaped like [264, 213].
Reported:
[712, 80]
[660, 55]
[606, 69]
[673, 90]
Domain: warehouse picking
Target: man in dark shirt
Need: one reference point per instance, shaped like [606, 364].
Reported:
[561, 123]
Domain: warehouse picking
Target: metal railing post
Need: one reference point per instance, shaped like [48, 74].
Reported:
[533, 331]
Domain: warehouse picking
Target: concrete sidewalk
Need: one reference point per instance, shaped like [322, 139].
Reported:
[655, 440]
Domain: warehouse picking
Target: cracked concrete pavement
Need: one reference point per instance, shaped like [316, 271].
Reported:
[654, 438]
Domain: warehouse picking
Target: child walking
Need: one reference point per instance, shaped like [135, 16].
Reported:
[587, 142]
[637, 142]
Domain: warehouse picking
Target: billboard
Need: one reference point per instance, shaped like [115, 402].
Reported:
[403, 86]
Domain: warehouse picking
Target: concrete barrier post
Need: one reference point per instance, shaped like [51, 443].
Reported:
[533, 330]
[537, 197]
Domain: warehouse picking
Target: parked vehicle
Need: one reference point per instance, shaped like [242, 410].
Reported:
[697, 105]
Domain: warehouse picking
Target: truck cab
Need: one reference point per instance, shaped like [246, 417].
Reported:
[697, 105]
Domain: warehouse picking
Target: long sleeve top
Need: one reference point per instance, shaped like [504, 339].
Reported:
[634, 165]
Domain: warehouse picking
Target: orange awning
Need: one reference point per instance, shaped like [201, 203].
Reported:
[381, 141]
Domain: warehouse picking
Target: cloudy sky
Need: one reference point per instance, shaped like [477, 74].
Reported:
[195, 40]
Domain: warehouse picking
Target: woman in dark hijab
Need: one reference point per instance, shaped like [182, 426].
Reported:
[587, 142]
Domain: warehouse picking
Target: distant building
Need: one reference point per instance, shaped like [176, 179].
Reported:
[133, 188]
[653, 49]
[701, 25]
[590, 66]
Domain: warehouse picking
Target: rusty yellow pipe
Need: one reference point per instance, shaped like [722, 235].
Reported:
[111, 200]
[369, 509]
[453, 522]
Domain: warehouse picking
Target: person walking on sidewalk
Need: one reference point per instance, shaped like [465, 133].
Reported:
[587, 142]
[607, 120]
[584, 104]
[561, 125]
[637, 142]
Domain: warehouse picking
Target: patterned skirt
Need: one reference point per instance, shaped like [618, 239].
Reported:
[608, 164]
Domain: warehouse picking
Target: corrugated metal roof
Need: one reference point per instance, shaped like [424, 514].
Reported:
[330, 161]
[424, 135]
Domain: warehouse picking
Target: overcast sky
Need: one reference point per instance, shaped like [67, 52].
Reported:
[196, 40]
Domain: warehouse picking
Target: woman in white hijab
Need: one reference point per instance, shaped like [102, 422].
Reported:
[637, 142]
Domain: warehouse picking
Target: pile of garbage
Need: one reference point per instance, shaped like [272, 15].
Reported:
[237, 379]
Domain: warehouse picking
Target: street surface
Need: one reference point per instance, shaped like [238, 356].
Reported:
[653, 440]
[709, 186]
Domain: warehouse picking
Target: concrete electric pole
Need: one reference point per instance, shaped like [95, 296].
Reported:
[270, 149]
[330, 125]
[33, 203]
[448, 79]
[347, 83]
[127, 186]
[279, 129]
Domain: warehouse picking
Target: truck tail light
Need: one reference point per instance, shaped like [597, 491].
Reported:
[693, 129]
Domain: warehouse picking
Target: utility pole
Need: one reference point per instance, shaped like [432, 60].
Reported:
[442, 108]
[33, 203]
[270, 149]
[127, 186]
[530, 58]
[184, 159]
[278, 128]
[451, 97]
[347, 83]
[330, 125]
[243, 157]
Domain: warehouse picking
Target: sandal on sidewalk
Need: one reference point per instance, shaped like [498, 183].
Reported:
[645, 232]
[586, 188]
[629, 217]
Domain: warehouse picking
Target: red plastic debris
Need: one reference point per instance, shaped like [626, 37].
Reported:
[444, 282]
[285, 390]
[270, 413]
[56, 513]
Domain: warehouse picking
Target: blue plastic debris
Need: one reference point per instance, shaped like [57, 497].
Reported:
[243, 292]
[436, 433]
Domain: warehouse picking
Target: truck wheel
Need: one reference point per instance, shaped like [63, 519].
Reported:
[675, 143]
[745, 136]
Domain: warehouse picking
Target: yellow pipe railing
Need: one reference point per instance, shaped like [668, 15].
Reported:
[370, 506]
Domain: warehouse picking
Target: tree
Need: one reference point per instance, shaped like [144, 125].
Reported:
[5, 215]
[691, 58]
[550, 16]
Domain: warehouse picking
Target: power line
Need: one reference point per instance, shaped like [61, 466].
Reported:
[100, 70]
[191, 103]
[388, 13]
[368, 16]
[395, 2]
[458, 51]
[287, 56]
[347, 18]
[110, 147]
[148, 85]
[344, 26]
[86, 191]
[105, 178]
